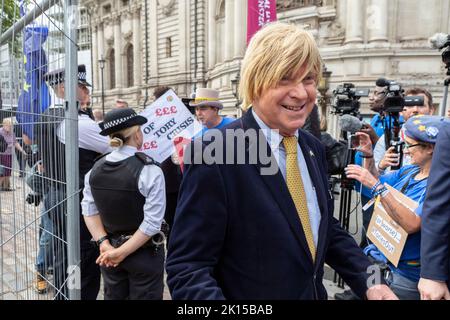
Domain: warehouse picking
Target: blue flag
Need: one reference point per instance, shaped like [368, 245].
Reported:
[35, 97]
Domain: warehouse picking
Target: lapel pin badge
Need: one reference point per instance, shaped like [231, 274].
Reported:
[311, 153]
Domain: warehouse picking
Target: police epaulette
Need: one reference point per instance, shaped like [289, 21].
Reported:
[101, 156]
[147, 160]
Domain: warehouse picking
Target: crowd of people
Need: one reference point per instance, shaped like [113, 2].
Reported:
[231, 231]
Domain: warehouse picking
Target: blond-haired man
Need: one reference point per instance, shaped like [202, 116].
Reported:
[242, 234]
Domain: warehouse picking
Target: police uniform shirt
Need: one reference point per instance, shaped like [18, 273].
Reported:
[151, 185]
[89, 136]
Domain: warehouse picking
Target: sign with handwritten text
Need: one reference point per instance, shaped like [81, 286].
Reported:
[168, 118]
[387, 235]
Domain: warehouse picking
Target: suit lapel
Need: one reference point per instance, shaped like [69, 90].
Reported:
[278, 188]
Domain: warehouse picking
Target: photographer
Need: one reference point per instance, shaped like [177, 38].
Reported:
[386, 158]
[376, 129]
[420, 136]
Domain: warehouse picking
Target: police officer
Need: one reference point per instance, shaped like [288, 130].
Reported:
[123, 206]
[51, 140]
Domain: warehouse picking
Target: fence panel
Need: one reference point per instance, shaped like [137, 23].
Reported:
[39, 235]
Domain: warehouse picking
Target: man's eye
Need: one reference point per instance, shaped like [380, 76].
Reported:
[309, 78]
[284, 81]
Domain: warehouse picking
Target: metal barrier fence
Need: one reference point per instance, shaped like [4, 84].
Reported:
[39, 197]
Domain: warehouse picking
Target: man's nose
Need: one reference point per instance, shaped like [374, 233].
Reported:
[415, 109]
[299, 92]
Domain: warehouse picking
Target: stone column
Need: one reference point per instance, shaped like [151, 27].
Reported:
[229, 29]
[95, 57]
[118, 52]
[100, 41]
[354, 19]
[100, 52]
[137, 52]
[377, 22]
[211, 33]
[184, 30]
[240, 34]
[153, 38]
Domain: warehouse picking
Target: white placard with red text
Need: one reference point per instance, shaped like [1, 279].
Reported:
[168, 119]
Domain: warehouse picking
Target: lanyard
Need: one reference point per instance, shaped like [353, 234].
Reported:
[405, 186]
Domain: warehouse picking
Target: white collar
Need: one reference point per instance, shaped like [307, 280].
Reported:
[127, 150]
[273, 137]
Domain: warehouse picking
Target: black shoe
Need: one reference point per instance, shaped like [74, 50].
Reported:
[346, 295]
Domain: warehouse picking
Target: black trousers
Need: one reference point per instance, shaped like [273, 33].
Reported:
[138, 277]
[56, 206]
[171, 206]
[90, 271]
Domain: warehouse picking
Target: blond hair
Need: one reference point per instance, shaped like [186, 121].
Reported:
[119, 138]
[7, 121]
[275, 52]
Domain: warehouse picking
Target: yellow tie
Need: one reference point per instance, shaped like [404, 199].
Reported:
[297, 191]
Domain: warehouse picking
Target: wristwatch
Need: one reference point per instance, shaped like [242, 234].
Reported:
[99, 241]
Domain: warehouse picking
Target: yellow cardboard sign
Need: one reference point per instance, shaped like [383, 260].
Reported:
[385, 233]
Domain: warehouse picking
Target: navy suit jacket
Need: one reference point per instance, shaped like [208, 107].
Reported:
[435, 241]
[237, 234]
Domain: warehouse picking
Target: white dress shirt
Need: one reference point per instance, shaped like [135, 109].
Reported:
[151, 185]
[274, 140]
[89, 136]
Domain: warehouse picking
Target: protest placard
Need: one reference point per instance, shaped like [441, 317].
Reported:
[168, 119]
[385, 233]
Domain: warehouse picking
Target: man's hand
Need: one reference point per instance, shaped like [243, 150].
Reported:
[369, 130]
[365, 143]
[380, 292]
[391, 158]
[433, 290]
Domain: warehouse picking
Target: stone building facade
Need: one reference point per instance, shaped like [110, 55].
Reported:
[187, 44]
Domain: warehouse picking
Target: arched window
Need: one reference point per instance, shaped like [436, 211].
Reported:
[130, 66]
[112, 69]
[220, 31]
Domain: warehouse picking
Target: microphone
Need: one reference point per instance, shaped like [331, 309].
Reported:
[350, 123]
[439, 41]
[382, 82]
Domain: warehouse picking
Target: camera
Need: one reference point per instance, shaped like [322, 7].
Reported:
[395, 100]
[398, 146]
[347, 99]
[441, 41]
[353, 142]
